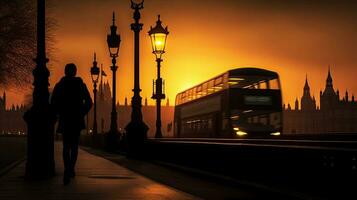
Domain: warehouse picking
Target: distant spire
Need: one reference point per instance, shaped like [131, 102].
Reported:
[329, 91]
[146, 101]
[346, 96]
[306, 83]
[306, 79]
[296, 104]
[329, 78]
[113, 18]
[168, 102]
[306, 87]
[126, 102]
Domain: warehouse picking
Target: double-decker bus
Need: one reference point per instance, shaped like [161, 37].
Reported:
[242, 102]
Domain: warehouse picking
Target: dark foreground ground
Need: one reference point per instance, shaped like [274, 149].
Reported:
[12, 149]
[101, 175]
[314, 168]
[117, 177]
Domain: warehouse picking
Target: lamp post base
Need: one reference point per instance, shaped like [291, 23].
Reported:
[158, 134]
[136, 136]
[40, 144]
[112, 138]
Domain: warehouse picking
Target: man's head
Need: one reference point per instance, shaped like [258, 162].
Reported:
[70, 70]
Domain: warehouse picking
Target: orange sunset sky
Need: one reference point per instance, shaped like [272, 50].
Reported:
[206, 38]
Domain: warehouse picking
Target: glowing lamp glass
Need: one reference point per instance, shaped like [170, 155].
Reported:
[158, 36]
[158, 41]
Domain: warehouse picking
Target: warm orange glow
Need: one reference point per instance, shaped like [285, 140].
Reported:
[206, 42]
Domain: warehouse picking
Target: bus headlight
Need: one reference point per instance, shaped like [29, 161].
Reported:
[239, 132]
[275, 133]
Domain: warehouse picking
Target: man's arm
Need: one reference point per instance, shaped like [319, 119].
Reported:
[87, 100]
[54, 99]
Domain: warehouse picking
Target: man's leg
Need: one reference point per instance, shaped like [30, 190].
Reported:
[74, 153]
[66, 158]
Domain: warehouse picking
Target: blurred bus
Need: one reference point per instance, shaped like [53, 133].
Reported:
[243, 102]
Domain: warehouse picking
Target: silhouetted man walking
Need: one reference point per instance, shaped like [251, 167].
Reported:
[71, 102]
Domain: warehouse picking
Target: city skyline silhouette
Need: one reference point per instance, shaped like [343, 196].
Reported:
[291, 46]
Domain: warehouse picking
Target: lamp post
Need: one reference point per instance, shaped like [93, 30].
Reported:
[113, 41]
[94, 71]
[158, 36]
[40, 118]
[136, 129]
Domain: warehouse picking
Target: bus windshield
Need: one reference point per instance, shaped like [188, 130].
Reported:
[254, 82]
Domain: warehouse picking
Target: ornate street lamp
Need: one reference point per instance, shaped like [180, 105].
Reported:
[136, 129]
[113, 41]
[94, 71]
[158, 36]
[40, 118]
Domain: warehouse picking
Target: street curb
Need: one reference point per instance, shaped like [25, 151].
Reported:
[227, 179]
[221, 178]
[11, 166]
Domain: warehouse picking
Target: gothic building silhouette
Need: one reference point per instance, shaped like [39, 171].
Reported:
[335, 114]
[11, 121]
[104, 99]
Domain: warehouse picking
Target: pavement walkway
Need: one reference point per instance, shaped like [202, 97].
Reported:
[97, 178]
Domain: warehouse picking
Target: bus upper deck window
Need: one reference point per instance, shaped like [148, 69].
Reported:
[210, 88]
[263, 85]
[189, 95]
[183, 97]
[274, 84]
[199, 91]
[204, 89]
[225, 80]
[194, 93]
[218, 83]
[178, 99]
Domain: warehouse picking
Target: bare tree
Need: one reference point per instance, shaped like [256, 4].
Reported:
[18, 41]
